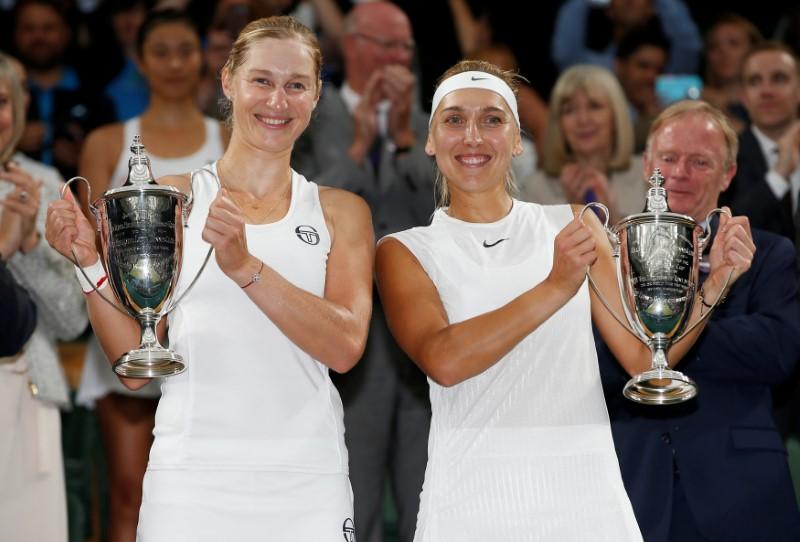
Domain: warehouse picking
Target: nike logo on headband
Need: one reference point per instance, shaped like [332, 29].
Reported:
[479, 78]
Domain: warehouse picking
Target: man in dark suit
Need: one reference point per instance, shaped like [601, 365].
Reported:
[714, 468]
[368, 137]
[768, 177]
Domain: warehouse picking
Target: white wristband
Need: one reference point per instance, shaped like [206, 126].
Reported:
[96, 274]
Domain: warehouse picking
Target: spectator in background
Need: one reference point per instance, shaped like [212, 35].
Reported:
[219, 41]
[640, 58]
[128, 89]
[32, 383]
[368, 137]
[728, 40]
[592, 34]
[767, 180]
[178, 138]
[62, 111]
[588, 147]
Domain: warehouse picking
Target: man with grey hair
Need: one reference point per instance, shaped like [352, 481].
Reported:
[368, 137]
[714, 468]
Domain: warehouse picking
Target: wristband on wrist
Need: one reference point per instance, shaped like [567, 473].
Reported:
[97, 275]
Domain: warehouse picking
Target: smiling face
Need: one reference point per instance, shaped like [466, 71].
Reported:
[273, 93]
[588, 124]
[691, 152]
[473, 136]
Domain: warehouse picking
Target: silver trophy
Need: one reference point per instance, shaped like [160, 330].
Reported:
[141, 246]
[657, 255]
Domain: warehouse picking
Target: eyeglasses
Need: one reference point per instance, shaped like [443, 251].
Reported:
[388, 45]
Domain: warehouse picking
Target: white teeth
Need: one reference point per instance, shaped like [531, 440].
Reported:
[472, 161]
[274, 122]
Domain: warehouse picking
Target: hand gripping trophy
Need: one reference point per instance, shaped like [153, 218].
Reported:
[657, 255]
[141, 245]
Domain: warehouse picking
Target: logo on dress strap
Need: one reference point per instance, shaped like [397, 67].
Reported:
[349, 530]
[307, 234]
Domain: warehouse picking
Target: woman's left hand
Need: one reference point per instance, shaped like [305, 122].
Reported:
[225, 231]
[20, 208]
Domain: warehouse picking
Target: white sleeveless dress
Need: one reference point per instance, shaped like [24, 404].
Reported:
[98, 379]
[249, 441]
[522, 451]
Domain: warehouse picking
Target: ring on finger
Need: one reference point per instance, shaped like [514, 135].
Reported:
[23, 196]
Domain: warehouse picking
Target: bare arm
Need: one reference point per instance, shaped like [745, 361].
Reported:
[451, 353]
[333, 328]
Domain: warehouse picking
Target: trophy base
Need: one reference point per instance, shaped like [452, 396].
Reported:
[660, 387]
[143, 363]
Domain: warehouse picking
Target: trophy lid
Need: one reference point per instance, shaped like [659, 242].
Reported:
[140, 175]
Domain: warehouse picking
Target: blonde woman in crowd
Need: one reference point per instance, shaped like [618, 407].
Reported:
[588, 147]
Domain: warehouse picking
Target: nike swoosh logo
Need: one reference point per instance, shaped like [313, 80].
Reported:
[478, 78]
[488, 245]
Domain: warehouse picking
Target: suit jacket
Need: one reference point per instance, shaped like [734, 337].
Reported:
[17, 314]
[723, 444]
[399, 193]
[750, 195]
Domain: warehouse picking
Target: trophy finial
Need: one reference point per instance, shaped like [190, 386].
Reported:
[139, 172]
[656, 179]
[657, 194]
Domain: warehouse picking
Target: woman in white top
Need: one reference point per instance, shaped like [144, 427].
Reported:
[588, 146]
[249, 441]
[490, 301]
[178, 138]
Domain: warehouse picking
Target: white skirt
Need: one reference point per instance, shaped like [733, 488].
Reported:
[201, 505]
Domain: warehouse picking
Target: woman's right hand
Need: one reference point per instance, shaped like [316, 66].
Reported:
[574, 250]
[67, 229]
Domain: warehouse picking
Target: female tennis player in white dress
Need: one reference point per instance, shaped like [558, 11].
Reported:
[491, 301]
[249, 440]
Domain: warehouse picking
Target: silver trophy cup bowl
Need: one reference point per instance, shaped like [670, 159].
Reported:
[657, 255]
[141, 247]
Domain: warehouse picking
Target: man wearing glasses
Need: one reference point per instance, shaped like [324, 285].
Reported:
[368, 137]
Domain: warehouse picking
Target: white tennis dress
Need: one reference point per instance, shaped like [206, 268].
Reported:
[97, 378]
[249, 441]
[522, 451]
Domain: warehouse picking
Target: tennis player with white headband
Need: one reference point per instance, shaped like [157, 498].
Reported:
[491, 302]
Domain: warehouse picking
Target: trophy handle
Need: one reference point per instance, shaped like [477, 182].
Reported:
[703, 241]
[186, 211]
[705, 316]
[93, 209]
[613, 238]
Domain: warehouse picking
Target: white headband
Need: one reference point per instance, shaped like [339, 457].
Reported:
[475, 79]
